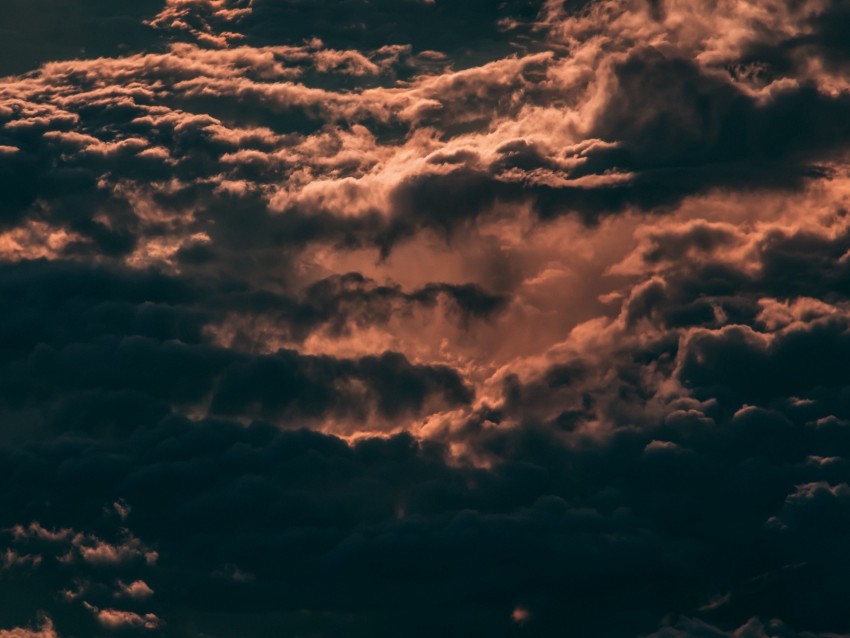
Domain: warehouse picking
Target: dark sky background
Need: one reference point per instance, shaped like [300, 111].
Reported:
[365, 318]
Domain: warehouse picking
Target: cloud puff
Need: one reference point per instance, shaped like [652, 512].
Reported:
[46, 630]
[118, 619]
[138, 590]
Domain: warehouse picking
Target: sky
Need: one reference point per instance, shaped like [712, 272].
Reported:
[365, 318]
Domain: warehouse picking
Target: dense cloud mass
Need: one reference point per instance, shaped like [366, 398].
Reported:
[420, 317]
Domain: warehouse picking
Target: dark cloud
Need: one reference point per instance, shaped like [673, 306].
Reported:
[299, 531]
[830, 25]
[341, 302]
[823, 37]
[288, 384]
[86, 345]
[471, 32]
[35, 32]
[380, 318]
[683, 131]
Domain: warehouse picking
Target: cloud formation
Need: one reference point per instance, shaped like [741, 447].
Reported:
[516, 318]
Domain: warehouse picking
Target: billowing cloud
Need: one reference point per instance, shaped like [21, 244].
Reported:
[422, 317]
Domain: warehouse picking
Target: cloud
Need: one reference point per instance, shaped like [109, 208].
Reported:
[95, 551]
[118, 619]
[138, 590]
[41, 31]
[46, 630]
[532, 313]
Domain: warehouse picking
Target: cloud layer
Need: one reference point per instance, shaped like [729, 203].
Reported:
[417, 317]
